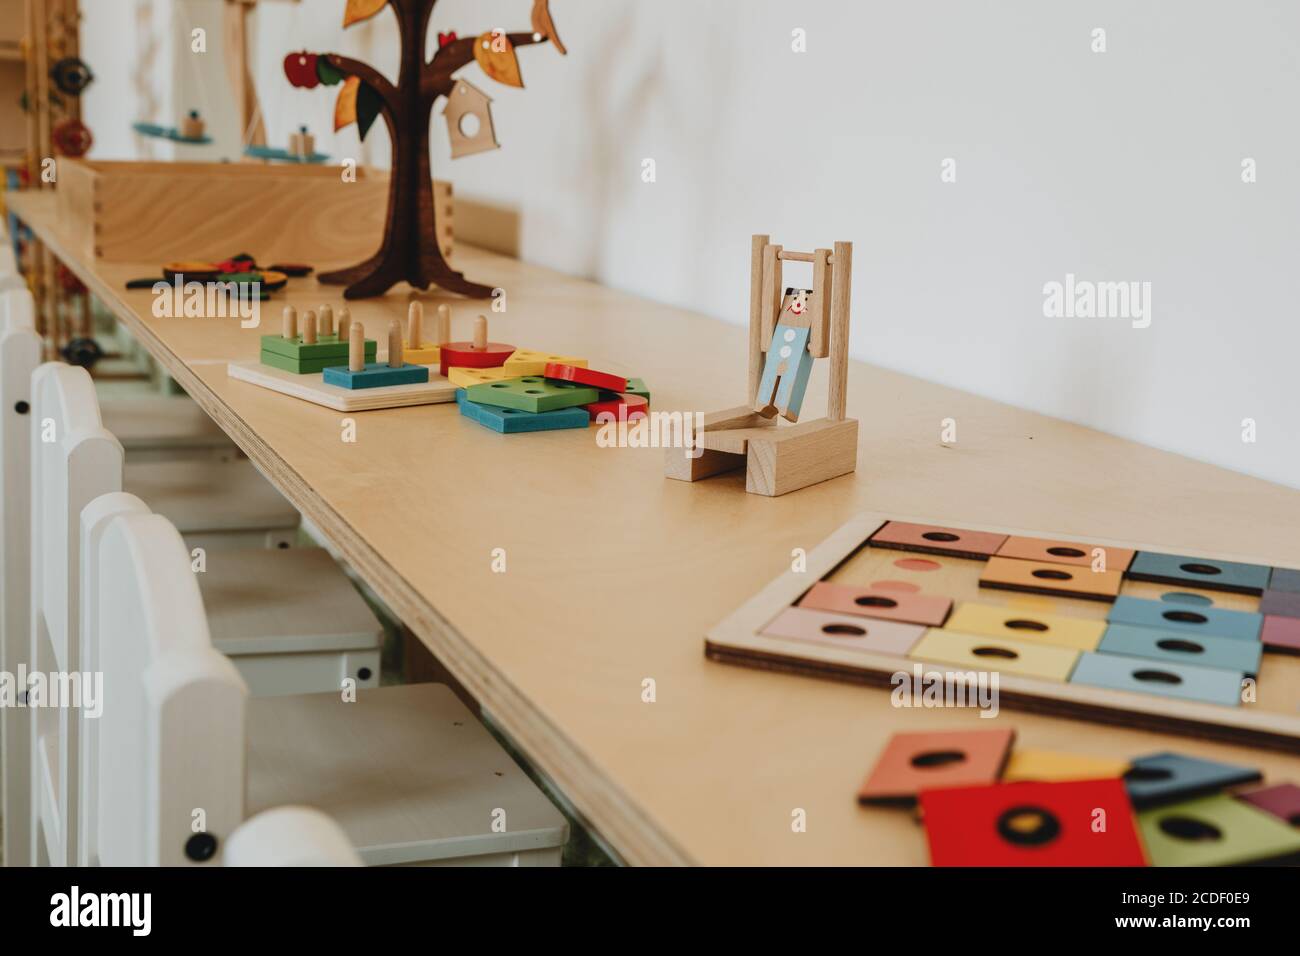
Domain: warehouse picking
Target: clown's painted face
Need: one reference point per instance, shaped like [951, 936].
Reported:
[799, 304]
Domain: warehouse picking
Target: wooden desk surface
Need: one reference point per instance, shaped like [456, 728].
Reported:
[614, 574]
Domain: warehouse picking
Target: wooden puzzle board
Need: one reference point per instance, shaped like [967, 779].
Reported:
[312, 388]
[846, 558]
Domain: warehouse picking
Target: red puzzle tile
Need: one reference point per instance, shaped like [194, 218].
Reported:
[884, 603]
[1032, 824]
[586, 376]
[914, 762]
[623, 407]
[934, 539]
[465, 355]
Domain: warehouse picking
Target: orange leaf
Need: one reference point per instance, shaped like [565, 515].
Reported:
[361, 10]
[345, 107]
[496, 54]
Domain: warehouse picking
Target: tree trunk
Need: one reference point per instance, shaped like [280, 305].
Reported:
[410, 249]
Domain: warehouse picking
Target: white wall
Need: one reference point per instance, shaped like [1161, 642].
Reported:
[1123, 165]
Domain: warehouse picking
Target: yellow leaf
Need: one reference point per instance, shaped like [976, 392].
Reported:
[361, 10]
[496, 54]
[345, 107]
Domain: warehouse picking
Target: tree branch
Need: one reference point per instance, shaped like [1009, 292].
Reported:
[367, 74]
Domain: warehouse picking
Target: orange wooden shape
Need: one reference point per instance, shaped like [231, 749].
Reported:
[936, 539]
[911, 763]
[884, 603]
[464, 355]
[1064, 552]
[1040, 577]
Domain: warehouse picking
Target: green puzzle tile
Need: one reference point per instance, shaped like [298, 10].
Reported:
[306, 366]
[636, 386]
[328, 346]
[1214, 831]
[532, 393]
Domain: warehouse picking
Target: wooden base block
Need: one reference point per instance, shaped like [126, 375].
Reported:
[312, 388]
[680, 466]
[309, 365]
[791, 458]
[376, 375]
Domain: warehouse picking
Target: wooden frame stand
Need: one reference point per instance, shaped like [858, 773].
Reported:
[778, 460]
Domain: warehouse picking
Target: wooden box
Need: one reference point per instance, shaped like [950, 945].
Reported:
[159, 212]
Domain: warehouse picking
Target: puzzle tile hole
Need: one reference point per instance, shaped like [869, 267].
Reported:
[1004, 653]
[1157, 677]
[1021, 624]
[1176, 644]
[1148, 774]
[929, 759]
[1065, 552]
[1190, 828]
[1052, 574]
[1185, 617]
[1029, 826]
[917, 564]
[940, 536]
[1182, 597]
[1194, 568]
[874, 601]
[850, 630]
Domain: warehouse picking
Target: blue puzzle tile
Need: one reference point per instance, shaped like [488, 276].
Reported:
[1285, 579]
[1186, 619]
[511, 420]
[1205, 685]
[376, 375]
[1178, 647]
[1280, 604]
[1201, 572]
[1167, 777]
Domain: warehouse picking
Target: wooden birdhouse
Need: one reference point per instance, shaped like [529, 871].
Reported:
[469, 121]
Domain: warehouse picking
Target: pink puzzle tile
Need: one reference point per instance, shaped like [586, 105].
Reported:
[845, 630]
[1281, 634]
[873, 602]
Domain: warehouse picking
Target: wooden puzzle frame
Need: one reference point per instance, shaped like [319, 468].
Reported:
[778, 460]
[311, 387]
[738, 640]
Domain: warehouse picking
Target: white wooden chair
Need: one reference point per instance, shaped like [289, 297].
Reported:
[20, 353]
[411, 777]
[290, 836]
[284, 636]
[165, 428]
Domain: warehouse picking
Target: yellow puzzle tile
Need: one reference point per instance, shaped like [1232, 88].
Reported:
[425, 355]
[1049, 766]
[528, 362]
[1026, 624]
[465, 377]
[981, 652]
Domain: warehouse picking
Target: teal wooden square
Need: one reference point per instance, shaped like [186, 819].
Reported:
[532, 393]
[1184, 681]
[1177, 647]
[511, 420]
[376, 375]
[1166, 777]
[1186, 618]
[1200, 572]
[1285, 579]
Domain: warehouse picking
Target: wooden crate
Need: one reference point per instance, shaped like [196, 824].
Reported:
[156, 212]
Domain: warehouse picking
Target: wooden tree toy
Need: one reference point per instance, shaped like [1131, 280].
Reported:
[410, 248]
[793, 328]
[360, 373]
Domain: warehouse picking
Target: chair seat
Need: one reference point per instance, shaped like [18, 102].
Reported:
[206, 496]
[284, 602]
[409, 774]
[161, 421]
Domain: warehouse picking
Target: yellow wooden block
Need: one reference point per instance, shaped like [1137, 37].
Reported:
[1025, 624]
[984, 653]
[465, 377]
[1050, 766]
[426, 354]
[528, 362]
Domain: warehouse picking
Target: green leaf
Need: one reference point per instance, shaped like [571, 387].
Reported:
[326, 73]
[368, 103]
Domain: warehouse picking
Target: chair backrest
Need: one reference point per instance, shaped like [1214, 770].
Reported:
[74, 460]
[20, 353]
[290, 836]
[172, 727]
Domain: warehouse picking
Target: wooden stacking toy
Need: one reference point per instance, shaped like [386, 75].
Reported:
[478, 353]
[415, 350]
[315, 349]
[359, 373]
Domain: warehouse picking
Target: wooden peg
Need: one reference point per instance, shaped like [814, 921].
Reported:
[414, 324]
[444, 324]
[395, 344]
[326, 315]
[309, 328]
[480, 332]
[290, 327]
[344, 322]
[356, 346]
